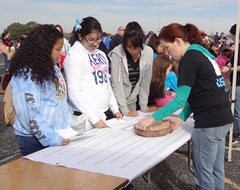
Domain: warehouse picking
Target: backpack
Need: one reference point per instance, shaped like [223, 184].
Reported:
[8, 112]
[6, 79]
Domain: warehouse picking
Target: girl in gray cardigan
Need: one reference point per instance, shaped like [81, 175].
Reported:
[132, 71]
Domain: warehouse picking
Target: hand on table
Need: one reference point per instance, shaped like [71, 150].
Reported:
[100, 124]
[118, 115]
[132, 113]
[152, 108]
[65, 142]
[145, 123]
[224, 69]
[174, 122]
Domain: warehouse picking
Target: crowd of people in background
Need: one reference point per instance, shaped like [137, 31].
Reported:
[94, 77]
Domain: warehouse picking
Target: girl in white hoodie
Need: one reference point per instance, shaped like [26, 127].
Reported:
[86, 69]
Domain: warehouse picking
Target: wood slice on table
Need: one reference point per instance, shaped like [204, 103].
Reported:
[157, 129]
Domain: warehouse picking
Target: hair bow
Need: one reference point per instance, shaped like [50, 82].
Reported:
[78, 24]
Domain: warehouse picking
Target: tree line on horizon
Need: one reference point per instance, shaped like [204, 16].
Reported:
[17, 29]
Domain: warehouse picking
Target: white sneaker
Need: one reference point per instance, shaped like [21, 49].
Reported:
[236, 144]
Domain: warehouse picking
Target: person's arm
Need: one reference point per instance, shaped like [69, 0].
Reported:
[112, 102]
[185, 113]
[117, 83]
[144, 85]
[30, 114]
[182, 94]
[179, 101]
[238, 68]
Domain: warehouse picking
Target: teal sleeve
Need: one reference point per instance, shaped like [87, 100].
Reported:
[185, 113]
[179, 101]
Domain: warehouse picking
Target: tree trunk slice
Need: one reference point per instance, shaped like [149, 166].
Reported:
[157, 129]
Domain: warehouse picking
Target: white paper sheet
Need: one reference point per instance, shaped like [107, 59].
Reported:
[125, 123]
[115, 152]
[67, 133]
[145, 113]
[117, 124]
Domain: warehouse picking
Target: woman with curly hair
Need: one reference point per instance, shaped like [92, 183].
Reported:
[39, 91]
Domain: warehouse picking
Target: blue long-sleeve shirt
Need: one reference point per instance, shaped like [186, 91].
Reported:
[171, 81]
[40, 111]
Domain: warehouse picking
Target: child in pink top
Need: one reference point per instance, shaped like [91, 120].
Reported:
[159, 92]
[222, 61]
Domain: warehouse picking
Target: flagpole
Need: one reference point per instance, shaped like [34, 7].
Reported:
[234, 80]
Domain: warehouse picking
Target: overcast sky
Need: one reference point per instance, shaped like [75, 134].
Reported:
[208, 15]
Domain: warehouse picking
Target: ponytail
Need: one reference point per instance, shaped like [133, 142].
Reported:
[188, 33]
[193, 35]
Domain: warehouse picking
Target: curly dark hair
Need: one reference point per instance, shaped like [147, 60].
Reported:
[34, 55]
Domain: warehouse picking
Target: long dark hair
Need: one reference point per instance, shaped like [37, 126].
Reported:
[160, 65]
[188, 33]
[154, 42]
[87, 26]
[34, 55]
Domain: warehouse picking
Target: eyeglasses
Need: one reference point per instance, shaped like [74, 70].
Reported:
[92, 40]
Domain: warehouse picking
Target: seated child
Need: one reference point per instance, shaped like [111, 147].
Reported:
[162, 90]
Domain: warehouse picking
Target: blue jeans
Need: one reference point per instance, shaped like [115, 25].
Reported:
[208, 146]
[6, 62]
[237, 110]
[29, 144]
